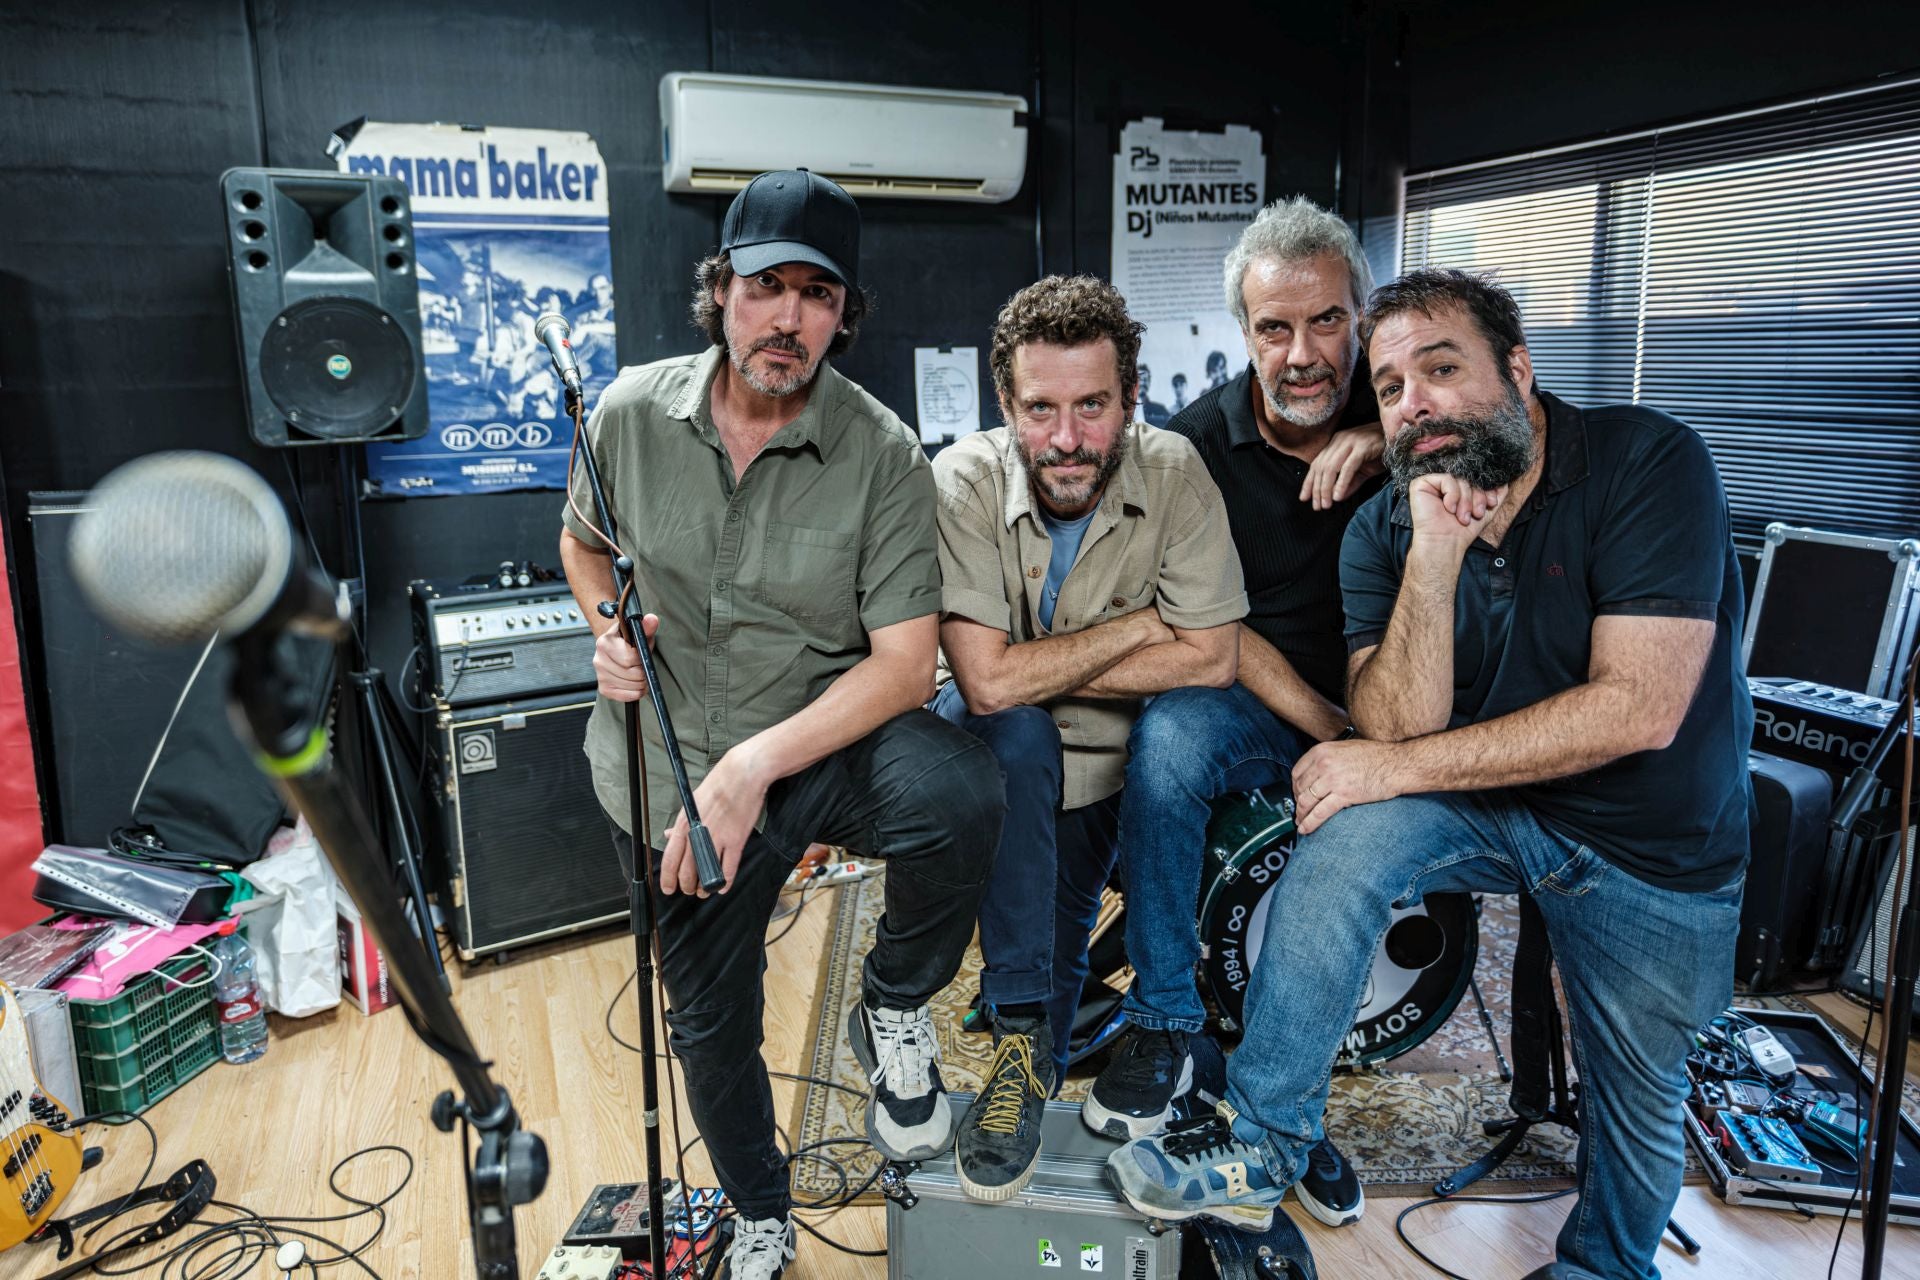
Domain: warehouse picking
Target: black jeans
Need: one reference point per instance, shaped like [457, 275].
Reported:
[917, 791]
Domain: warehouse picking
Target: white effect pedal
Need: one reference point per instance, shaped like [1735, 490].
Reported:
[579, 1262]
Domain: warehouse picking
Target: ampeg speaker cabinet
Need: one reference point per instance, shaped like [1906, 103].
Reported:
[525, 852]
[326, 306]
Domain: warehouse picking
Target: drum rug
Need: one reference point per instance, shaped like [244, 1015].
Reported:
[1404, 1124]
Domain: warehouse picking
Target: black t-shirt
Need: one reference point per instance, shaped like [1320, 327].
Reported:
[1629, 517]
[1289, 553]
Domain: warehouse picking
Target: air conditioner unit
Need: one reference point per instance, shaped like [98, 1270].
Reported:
[717, 132]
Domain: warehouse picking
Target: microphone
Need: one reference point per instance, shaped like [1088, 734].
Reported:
[174, 547]
[552, 330]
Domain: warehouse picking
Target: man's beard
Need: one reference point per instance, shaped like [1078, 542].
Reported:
[1073, 498]
[1493, 446]
[777, 383]
[1317, 412]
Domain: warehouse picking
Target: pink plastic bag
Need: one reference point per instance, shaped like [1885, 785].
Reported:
[135, 950]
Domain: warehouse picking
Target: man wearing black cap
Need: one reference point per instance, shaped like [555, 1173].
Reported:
[781, 523]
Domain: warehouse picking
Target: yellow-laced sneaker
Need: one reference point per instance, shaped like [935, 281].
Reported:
[999, 1140]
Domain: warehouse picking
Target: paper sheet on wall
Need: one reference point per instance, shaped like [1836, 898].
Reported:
[507, 223]
[946, 388]
[1180, 200]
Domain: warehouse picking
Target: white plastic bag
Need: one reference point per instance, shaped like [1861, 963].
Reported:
[292, 924]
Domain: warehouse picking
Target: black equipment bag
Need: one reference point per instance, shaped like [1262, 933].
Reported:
[1779, 915]
[207, 796]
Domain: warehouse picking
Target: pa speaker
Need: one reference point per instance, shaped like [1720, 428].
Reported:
[325, 305]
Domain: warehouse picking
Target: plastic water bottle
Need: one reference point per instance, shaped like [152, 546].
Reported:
[243, 1020]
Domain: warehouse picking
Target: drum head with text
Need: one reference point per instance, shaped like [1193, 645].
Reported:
[1419, 972]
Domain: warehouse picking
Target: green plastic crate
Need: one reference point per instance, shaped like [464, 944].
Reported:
[144, 1043]
[144, 1090]
[109, 1028]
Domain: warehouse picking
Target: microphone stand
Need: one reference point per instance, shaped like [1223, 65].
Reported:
[627, 608]
[509, 1167]
[1904, 946]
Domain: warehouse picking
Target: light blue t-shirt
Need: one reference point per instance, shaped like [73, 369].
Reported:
[1066, 536]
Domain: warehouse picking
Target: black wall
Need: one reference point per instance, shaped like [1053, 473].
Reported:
[116, 334]
[117, 118]
[1501, 76]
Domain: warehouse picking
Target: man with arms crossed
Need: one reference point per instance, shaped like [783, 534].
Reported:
[1294, 444]
[781, 521]
[1542, 612]
[1087, 566]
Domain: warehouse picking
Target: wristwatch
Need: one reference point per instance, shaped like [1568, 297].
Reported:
[1349, 732]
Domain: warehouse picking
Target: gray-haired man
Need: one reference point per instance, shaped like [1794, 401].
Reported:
[1294, 449]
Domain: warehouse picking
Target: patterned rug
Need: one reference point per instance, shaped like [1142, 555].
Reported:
[1404, 1124]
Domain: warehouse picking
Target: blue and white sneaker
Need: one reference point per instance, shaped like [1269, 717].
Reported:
[1197, 1168]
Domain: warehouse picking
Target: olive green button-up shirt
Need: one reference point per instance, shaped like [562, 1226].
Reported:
[1158, 539]
[766, 585]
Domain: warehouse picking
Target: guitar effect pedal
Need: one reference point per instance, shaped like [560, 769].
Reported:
[581, 1262]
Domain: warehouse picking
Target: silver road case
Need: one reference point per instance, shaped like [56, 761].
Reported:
[1068, 1223]
[1836, 608]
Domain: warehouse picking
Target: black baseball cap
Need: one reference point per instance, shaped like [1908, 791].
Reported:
[791, 215]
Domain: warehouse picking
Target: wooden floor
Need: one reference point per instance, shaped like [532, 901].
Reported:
[339, 1081]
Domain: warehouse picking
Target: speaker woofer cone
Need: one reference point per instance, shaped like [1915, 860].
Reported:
[337, 368]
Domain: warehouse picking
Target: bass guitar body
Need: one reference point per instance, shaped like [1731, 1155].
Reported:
[39, 1161]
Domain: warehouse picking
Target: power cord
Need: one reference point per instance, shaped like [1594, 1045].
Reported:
[794, 918]
[846, 1193]
[1399, 1227]
[249, 1236]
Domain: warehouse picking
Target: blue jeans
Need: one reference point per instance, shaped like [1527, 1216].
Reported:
[1642, 967]
[1043, 897]
[1188, 748]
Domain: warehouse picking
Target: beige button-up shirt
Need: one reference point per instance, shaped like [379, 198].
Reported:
[1158, 538]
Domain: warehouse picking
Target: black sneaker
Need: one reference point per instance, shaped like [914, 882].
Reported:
[1329, 1188]
[760, 1250]
[908, 1117]
[1134, 1097]
[999, 1140]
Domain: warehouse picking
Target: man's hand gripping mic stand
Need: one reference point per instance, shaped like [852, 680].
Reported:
[627, 608]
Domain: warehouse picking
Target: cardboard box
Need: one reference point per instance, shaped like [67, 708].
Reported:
[363, 966]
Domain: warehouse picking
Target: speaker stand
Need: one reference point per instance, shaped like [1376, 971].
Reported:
[381, 726]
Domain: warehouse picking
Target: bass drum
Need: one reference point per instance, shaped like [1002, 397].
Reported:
[1419, 973]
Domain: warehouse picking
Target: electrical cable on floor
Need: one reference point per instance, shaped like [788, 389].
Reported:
[845, 1195]
[1399, 1221]
[250, 1236]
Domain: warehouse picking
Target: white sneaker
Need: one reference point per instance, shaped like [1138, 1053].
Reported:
[760, 1250]
[908, 1117]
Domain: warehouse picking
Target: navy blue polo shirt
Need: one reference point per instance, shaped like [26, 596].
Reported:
[1629, 517]
[1289, 553]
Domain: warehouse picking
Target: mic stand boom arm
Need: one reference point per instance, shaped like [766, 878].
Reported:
[510, 1166]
